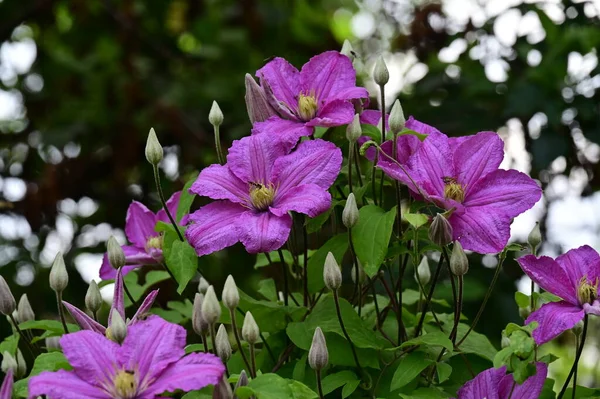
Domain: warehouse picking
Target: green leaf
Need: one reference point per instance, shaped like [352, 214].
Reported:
[409, 368]
[522, 300]
[268, 289]
[205, 393]
[477, 344]
[425, 393]
[416, 219]
[182, 260]
[10, 344]
[137, 290]
[334, 381]
[372, 131]
[337, 245]
[371, 236]
[262, 261]
[186, 199]
[349, 388]
[413, 133]
[314, 224]
[436, 338]
[272, 386]
[411, 297]
[51, 361]
[443, 371]
[48, 325]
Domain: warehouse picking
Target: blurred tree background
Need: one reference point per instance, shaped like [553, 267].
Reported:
[81, 83]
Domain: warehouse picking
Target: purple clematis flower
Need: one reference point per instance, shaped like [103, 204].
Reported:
[150, 361]
[7, 385]
[118, 305]
[495, 384]
[574, 277]
[321, 94]
[146, 248]
[461, 175]
[257, 188]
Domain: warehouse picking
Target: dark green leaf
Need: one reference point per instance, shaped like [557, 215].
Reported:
[337, 245]
[409, 368]
[371, 236]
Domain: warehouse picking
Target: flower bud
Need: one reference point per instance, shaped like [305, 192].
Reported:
[199, 325]
[250, 330]
[423, 272]
[203, 285]
[8, 363]
[222, 389]
[347, 50]
[24, 310]
[211, 309]
[241, 382]
[15, 316]
[318, 356]
[535, 237]
[231, 295]
[350, 212]
[354, 130]
[116, 256]
[459, 264]
[59, 279]
[381, 75]
[215, 116]
[52, 343]
[358, 272]
[154, 151]
[93, 299]
[118, 328]
[397, 121]
[21, 365]
[332, 275]
[222, 344]
[440, 231]
[7, 300]
[259, 109]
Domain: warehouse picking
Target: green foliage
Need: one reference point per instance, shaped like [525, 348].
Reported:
[371, 236]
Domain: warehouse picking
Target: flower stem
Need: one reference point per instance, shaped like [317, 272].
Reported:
[397, 309]
[429, 296]
[336, 299]
[133, 302]
[576, 363]
[236, 333]
[205, 342]
[220, 156]
[457, 311]
[305, 271]
[213, 339]
[357, 165]
[321, 396]
[22, 334]
[350, 162]
[164, 203]
[253, 359]
[286, 287]
[61, 313]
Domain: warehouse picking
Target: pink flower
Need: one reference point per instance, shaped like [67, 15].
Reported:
[257, 188]
[150, 361]
[574, 277]
[7, 385]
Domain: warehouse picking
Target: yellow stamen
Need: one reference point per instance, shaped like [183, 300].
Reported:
[155, 242]
[261, 196]
[307, 106]
[126, 384]
[453, 190]
[587, 292]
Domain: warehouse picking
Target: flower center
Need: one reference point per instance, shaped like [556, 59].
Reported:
[587, 292]
[307, 106]
[126, 384]
[155, 242]
[453, 190]
[261, 196]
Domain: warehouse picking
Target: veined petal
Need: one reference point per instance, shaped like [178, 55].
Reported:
[145, 306]
[372, 117]
[263, 231]
[290, 131]
[7, 385]
[402, 173]
[554, 318]
[421, 127]
[580, 262]
[530, 388]
[549, 275]
[134, 258]
[481, 230]
[251, 159]
[507, 191]
[195, 371]
[172, 204]
[478, 156]
[484, 385]
[217, 182]
[213, 227]
[352, 93]
[281, 81]
[328, 74]
[139, 223]
[63, 384]
[432, 162]
[334, 113]
[314, 162]
[92, 356]
[118, 303]
[309, 199]
[107, 272]
[83, 320]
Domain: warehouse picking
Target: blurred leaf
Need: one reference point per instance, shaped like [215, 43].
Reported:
[51, 361]
[436, 338]
[416, 220]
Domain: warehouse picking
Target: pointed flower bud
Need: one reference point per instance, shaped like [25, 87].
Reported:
[354, 130]
[397, 120]
[93, 299]
[52, 343]
[347, 50]
[7, 300]
[242, 381]
[15, 316]
[116, 256]
[215, 116]
[358, 272]
[459, 264]
[222, 389]
[8, 363]
[350, 212]
[118, 328]
[250, 330]
[21, 365]
[154, 151]
[203, 285]
[24, 310]
[222, 344]
[258, 106]
[423, 272]
[318, 356]
[332, 275]
[381, 75]
[211, 309]
[535, 237]
[199, 325]
[59, 279]
[440, 231]
[231, 295]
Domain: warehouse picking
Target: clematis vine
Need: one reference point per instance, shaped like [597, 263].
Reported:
[87, 323]
[574, 277]
[146, 248]
[320, 94]
[257, 188]
[495, 384]
[7, 385]
[150, 361]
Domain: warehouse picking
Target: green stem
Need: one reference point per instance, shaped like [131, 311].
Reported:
[220, 156]
[164, 203]
[286, 288]
[577, 356]
[429, 296]
[22, 334]
[305, 271]
[133, 302]
[336, 299]
[458, 309]
[320, 388]
[357, 165]
[213, 338]
[61, 312]
[575, 373]
[350, 162]
[253, 360]
[237, 338]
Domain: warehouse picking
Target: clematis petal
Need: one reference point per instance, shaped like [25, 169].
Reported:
[92, 356]
[431, 163]
[508, 191]
[83, 320]
[530, 388]
[289, 131]
[63, 384]
[481, 230]
[151, 346]
[355, 94]
[251, 159]
[580, 262]
[139, 223]
[213, 227]
[118, 303]
[478, 156]
[263, 232]
[549, 275]
[484, 385]
[145, 306]
[372, 117]
[420, 127]
[334, 113]
[281, 81]
[328, 74]
[217, 182]
[134, 258]
[7, 385]
[309, 199]
[314, 162]
[554, 318]
[172, 204]
[195, 371]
